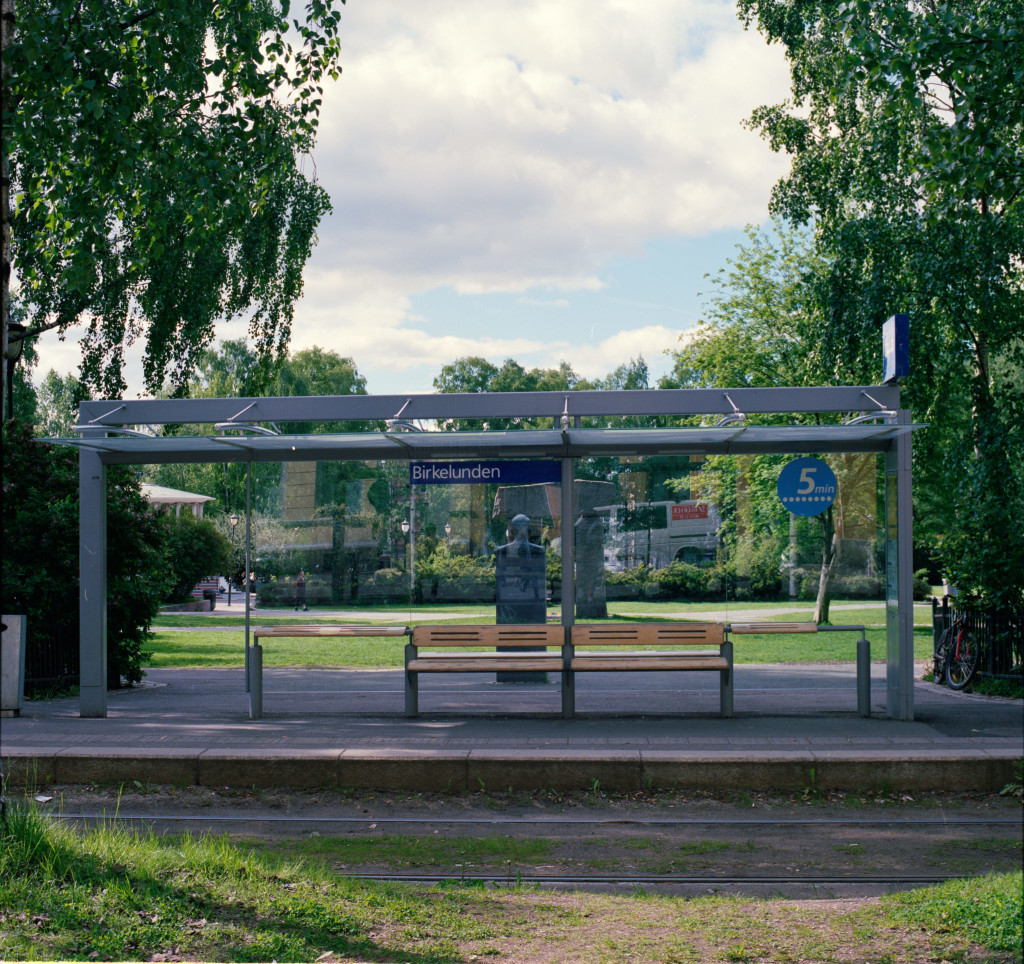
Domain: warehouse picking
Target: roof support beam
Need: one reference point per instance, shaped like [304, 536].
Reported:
[589, 404]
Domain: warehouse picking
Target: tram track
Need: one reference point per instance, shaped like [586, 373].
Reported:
[661, 880]
[693, 852]
[545, 821]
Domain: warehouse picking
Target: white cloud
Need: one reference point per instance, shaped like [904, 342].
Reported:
[650, 342]
[512, 148]
[515, 148]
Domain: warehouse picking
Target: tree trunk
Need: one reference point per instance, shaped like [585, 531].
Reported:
[6, 38]
[829, 556]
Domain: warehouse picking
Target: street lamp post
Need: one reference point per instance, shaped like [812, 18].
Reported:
[233, 522]
[408, 530]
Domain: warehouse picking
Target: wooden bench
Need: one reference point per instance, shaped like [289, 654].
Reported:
[633, 659]
[530, 641]
[863, 650]
[255, 655]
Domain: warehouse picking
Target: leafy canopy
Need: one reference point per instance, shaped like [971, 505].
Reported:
[906, 132]
[157, 177]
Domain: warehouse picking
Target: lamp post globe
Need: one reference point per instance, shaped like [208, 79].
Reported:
[233, 522]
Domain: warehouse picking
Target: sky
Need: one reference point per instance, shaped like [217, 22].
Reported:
[547, 180]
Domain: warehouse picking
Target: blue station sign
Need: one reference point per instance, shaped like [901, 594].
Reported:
[478, 473]
[807, 486]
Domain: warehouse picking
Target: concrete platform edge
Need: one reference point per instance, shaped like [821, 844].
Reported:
[615, 770]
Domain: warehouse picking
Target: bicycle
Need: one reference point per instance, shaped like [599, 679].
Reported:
[956, 656]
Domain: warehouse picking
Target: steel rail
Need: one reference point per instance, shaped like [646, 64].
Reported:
[651, 880]
[552, 821]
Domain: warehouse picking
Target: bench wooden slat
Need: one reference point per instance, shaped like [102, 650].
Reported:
[507, 635]
[484, 662]
[640, 654]
[652, 661]
[648, 634]
[740, 628]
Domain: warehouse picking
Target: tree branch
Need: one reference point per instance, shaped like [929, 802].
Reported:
[137, 19]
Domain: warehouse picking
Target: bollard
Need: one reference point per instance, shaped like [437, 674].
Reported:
[255, 682]
[12, 665]
[863, 677]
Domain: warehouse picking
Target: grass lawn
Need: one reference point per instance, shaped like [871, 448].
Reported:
[199, 648]
[110, 894]
[226, 648]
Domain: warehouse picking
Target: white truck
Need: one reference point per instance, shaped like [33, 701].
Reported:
[659, 533]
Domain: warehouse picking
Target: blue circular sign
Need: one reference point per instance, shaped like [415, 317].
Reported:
[807, 486]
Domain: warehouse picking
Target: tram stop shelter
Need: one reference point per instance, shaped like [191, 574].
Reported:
[680, 422]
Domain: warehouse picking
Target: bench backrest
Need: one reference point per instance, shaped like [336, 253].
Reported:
[350, 630]
[539, 635]
[648, 634]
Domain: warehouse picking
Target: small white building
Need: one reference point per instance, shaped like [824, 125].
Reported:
[164, 498]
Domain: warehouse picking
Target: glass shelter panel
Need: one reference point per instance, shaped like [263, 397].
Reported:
[712, 535]
[662, 529]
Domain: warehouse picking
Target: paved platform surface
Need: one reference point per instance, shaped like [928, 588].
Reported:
[795, 726]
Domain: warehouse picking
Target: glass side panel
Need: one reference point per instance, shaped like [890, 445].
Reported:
[667, 537]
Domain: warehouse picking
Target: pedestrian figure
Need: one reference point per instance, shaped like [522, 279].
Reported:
[300, 591]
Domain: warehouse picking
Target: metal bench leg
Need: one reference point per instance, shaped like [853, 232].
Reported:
[863, 677]
[255, 682]
[412, 693]
[568, 694]
[725, 681]
[568, 678]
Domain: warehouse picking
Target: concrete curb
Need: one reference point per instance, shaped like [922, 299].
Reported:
[477, 769]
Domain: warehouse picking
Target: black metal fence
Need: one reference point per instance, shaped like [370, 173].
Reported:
[1000, 635]
[51, 657]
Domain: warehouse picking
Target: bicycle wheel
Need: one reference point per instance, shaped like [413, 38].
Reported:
[939, 658]
[961, 661]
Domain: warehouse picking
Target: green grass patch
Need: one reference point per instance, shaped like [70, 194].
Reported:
[226, 648]
[987, 911]
[397, 851]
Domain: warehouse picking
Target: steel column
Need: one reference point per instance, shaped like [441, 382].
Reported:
[899, 592]
[92, 588]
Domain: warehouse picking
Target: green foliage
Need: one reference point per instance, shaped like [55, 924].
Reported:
[746, 580]
[989, 911]
[40, 551]
[475, 374]
[680, 581]
[760, 319]
[196, 550]
[30, 844]
[443, 575]
[234, 370]
[57, 401]
[156, 164]
[906, 132]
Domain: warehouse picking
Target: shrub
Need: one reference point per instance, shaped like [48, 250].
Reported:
[681, 580]
[637, 576]
[196, 550]
[274, 591]
[442, 575]
[854, 587]
[390, 584]
[40, 553]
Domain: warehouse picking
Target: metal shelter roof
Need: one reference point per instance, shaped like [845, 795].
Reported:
[535, 443]
[121, 431]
